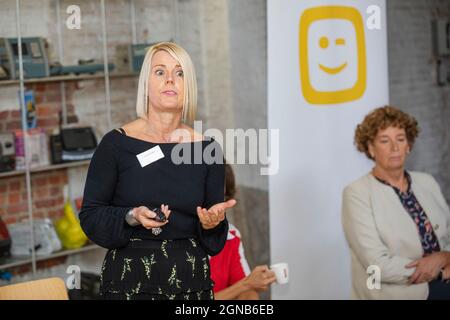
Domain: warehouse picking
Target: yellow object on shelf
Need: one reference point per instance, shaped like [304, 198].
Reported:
[69, 229]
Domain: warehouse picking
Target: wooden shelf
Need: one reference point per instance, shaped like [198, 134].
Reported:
[69, 78]
[46, 168]
[11, 262]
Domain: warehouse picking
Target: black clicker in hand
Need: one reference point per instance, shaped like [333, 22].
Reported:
[160, 216]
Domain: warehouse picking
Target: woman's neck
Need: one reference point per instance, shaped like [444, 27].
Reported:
[395, 177]
[161, 125]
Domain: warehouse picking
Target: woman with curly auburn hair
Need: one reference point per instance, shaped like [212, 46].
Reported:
[395, 221]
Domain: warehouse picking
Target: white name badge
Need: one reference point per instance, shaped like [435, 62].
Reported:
[150, 156]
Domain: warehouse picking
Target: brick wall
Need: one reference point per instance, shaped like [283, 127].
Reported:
[48, 106]
[47, 187]
[412, 83]
[47, 196]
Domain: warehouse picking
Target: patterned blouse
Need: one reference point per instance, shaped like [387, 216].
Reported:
[409, 201]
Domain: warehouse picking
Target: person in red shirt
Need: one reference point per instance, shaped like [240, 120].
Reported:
[229, 269]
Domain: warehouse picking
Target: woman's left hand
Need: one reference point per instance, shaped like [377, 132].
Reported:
[427, 268]
[446, 273]
[213, 216]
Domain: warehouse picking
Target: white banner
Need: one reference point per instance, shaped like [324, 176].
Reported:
[327, 68]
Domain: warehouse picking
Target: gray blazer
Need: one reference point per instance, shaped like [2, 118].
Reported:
[380, 232]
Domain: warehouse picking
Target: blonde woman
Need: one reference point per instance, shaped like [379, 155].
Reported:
[159, 219]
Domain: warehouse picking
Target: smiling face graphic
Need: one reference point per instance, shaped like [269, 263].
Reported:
[324, 44]
[332, 55]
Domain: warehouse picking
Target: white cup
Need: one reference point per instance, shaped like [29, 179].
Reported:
[281, 272]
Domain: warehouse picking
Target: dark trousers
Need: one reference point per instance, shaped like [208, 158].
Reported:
[439, 290]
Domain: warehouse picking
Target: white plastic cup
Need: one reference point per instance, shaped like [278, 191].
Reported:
[281, 271]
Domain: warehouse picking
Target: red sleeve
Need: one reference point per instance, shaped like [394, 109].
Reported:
[237, 262]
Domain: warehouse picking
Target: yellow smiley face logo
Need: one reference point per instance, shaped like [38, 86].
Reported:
[324, 43]
[332, 55]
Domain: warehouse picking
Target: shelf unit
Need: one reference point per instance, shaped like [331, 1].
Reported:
[11, 262]
[46, 168]
[68, 78]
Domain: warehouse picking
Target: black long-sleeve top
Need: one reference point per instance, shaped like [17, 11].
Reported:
[116, 183]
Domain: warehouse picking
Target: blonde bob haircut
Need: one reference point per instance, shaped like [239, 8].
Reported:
[189, 78]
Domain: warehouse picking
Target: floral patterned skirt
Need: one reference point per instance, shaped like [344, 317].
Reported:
[156, 270]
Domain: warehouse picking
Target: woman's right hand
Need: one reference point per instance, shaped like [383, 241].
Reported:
[145, 216]
[427, 268]
[260, 278]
